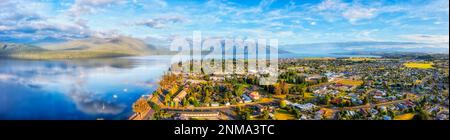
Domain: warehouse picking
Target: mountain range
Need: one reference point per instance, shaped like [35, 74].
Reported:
[76, 49]
[348, 47]
[127, 46]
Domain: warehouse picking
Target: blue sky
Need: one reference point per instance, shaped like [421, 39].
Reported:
[289, 21]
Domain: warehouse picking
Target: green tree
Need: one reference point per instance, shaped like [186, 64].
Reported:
[365, 100]
[239, 90]
[185, 102]
[423, 115]
[265, 114]
[167, 99]
[283, 103]
[207, 100]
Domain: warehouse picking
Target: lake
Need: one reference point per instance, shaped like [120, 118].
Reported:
[80, 89]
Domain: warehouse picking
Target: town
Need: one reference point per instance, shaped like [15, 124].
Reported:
[347, 88]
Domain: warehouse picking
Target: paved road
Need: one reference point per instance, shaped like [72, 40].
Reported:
[373, 105]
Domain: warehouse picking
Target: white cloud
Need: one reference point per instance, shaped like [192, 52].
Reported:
[162, 22]
[353, 12]
[91, 6]
[357, 13]
[30, 21]
[265, 3]
[331, 5]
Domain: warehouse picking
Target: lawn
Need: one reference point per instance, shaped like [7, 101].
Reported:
[419, 65]
[265, 100]
[407, 116]
[282, 96]
[349, 82]
[281, 114]
[308, 95]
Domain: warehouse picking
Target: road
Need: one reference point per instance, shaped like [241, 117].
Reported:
[373, 105]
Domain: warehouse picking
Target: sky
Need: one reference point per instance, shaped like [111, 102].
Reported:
[290, 21]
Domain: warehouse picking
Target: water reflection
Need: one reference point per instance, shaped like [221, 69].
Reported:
[81, 89]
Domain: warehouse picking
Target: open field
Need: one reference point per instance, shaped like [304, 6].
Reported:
[265, 100]
[427, 65]
[407, 116]
[349, 82]
[282, 114]
[282, 96]
[308, 95]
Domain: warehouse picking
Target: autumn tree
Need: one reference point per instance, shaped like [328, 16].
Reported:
[277, 89]
[141, 106]
[284, 87]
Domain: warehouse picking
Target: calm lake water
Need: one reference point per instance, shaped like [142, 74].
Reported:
[80, 89]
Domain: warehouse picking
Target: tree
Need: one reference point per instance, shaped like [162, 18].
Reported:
[238, 90]
[247, 115]
[157, 92]
[324, 79]
[283, 103]
[265, 114]
[423, 115]
[167, 99]
[298, 114]
[207, 100]
[173, 90]
[141, 106]
[244, 113]
[185, 102]
[366, 100]
[194, 101]
[327, 99]
[284, 87]
[277, 89]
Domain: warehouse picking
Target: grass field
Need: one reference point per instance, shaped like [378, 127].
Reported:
[265, 100]
[283, 96]
[308, 95]
[282, 114]
[349, 82]
[407, 116]
[418, 65]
